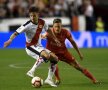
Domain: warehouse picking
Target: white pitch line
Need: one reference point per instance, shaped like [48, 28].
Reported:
[18, 66]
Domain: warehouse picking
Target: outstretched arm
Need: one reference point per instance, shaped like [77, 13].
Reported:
[76, 47]
[8, 42]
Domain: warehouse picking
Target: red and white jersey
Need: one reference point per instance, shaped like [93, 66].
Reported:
[32, 32]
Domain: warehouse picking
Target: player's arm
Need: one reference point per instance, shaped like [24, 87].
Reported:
[75, 46]
[8, 42]
[21, 29]
[44, 35]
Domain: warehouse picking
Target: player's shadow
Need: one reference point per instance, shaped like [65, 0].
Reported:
[83, 84]
[77, 85]
[47, 86]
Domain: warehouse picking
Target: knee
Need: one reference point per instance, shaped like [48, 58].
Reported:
[45, 56]
[53, 59]
[79, 69]
[77, 66]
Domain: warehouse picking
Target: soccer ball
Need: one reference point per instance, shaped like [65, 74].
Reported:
[37, 82]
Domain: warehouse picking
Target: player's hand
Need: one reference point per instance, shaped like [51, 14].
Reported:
[81, 56]
[7, 43]
[58, 42]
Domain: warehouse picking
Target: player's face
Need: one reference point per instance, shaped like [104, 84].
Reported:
[57, 27]
[34, 17]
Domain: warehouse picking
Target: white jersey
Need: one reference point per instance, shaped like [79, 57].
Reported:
[30, 30]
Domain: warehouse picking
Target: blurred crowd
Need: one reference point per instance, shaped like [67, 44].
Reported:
[50, 8]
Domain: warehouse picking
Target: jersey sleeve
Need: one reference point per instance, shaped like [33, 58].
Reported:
[21, 29]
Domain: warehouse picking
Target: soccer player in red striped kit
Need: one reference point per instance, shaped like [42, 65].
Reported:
[62, 52]
[34, 48]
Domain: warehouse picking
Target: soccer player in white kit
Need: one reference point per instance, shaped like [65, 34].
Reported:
[32, 30]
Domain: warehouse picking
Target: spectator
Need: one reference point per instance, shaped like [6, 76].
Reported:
[88, 12]
[60, 8]
[99, 25]
[4, 12]
[30, 3]
[17, 8]
[73, 14]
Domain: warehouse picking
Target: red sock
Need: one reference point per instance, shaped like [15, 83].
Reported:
[57, 73]
[89, 75]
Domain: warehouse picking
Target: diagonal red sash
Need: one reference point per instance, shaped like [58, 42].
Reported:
[37, 34]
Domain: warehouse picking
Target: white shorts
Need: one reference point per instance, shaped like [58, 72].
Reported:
[34, 51]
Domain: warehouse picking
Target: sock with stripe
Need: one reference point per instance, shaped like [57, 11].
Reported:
[52, 69]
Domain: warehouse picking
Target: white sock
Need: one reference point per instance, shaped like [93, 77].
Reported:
[37, 64]
[52, 69]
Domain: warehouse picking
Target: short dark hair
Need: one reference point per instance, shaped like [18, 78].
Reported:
[33, 9]
[57, 20]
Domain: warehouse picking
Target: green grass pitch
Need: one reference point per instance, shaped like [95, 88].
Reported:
[14, 63]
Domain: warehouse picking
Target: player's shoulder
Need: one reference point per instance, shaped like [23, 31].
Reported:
[41, 20]
[64, 30]
[27, 22]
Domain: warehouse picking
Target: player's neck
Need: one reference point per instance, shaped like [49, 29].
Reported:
[56, 32]
[36, 22]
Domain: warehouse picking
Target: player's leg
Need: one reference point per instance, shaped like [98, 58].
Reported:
[45, 55]
[84, 71]
[72, 61]
[37, 63]
[53, 61]
[57, 76]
